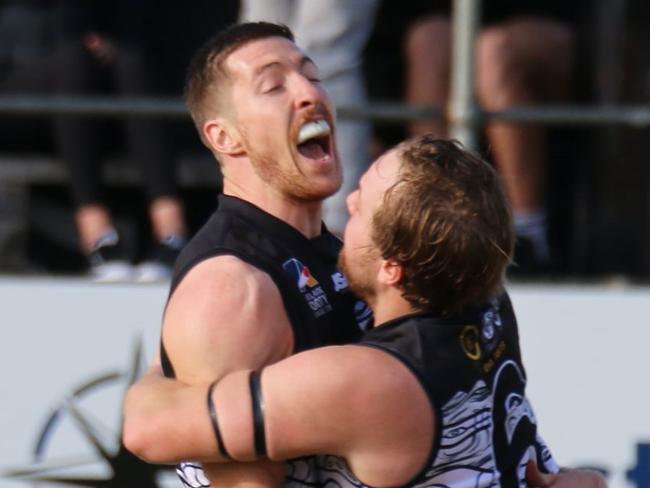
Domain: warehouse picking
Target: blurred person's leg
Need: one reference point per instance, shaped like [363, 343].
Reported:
[334, 33]
[278, 11]
[77, 142]
[427, 50]
[523, 62]
[93, 221]
[147, 146]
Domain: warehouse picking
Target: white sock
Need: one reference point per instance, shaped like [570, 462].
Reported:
[174, 241]
[108, 238]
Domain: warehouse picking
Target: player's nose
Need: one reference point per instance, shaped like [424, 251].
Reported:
[308, 93]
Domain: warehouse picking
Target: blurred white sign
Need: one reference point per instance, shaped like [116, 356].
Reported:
[584, 351]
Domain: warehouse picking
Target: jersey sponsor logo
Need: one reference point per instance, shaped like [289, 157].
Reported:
[340, 281]
[308, 286]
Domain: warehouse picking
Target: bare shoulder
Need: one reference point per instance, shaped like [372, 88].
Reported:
[223, 275]
[364, 404]
[228, 313]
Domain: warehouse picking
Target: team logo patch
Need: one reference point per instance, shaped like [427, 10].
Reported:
[300, 273]
[484, 341]
[308, 286]
[470, 342]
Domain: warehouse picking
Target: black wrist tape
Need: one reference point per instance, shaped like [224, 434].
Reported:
[215, 424]
[258, 414]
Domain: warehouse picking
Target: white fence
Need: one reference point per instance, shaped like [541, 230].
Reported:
[585, 349]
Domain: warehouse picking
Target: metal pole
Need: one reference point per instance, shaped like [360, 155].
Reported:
[462, 110]
[635, 116]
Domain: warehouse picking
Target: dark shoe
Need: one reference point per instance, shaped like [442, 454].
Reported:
[108, 262]
[526, 261]
[159, 265]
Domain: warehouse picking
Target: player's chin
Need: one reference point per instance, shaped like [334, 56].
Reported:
[328, 185]
[324, 180]
[317, 189]
[320, 193]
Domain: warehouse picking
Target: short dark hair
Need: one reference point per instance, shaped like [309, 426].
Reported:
[206, 72]
[446, 221]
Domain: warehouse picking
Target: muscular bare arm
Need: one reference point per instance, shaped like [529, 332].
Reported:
[566, 478]
[355, 402]
[224, 316]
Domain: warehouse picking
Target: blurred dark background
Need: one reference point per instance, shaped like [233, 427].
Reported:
[598, 176]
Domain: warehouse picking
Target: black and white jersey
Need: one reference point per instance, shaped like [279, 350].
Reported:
[315, 294]
[471, 369]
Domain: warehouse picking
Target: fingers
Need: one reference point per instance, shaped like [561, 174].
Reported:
[536, 479]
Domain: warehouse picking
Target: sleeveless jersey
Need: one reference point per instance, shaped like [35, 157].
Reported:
[321, 309]
[471, 369]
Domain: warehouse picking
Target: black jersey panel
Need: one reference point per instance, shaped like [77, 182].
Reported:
[319, 304]
[470, 366]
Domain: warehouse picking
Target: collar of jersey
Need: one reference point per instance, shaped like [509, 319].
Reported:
[267, 222]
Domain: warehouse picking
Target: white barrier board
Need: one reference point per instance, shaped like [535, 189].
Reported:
[586, 354]
[56, 336]
[584, 351]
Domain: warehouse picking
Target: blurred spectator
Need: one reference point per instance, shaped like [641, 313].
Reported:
[106, 41]
[524, 56]
[26, 66]
[333, 33]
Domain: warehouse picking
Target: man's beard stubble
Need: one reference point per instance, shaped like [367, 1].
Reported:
[361, 287]
[288, 181]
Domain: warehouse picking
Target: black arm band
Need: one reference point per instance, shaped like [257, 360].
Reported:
[258, 414]
[215, 424]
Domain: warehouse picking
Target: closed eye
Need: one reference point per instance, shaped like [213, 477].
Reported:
[273, 89]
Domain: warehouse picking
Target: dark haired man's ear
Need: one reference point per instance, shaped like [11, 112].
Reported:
[223, 137]
[390, 272]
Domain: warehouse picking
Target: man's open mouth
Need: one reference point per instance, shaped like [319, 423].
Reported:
[314, 140]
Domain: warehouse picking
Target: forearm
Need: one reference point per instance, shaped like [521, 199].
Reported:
[578, 478]
[565, 478]
[166, 421]
[207, 336]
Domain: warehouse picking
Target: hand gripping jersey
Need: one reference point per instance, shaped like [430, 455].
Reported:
[471, 369]
[320, 307]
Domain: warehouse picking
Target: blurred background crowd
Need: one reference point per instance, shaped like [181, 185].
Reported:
[118, 196]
